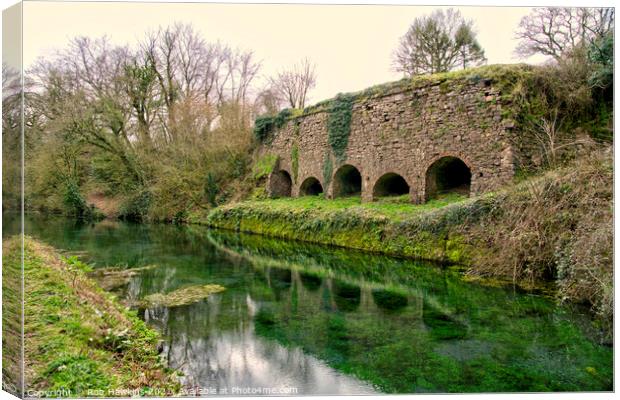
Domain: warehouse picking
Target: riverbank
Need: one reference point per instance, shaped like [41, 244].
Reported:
[80, 341]
[554, 227]
[401, 229]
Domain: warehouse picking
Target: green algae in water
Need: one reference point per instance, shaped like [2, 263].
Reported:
[181, 297]
[112, 278]
[398, 325]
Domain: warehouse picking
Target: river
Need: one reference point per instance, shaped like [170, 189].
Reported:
[304, 319]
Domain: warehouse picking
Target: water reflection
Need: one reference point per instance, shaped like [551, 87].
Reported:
[334, 321]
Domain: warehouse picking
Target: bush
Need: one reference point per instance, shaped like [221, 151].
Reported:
[264, 166]
[557, 226]
[211, 189]
[73, 200]
[136, 206]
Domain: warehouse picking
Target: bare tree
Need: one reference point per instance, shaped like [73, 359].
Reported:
[294, 84]
[268, 102]
[439, 42]
[11, 89]
[554, 31]
[148, 121]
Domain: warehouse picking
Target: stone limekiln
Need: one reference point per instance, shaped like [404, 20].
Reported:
[441, 134]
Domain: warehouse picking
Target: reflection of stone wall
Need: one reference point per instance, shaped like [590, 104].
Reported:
[404, 132]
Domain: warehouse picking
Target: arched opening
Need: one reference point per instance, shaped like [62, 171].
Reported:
[347, 296]
[447, 175]
[390, 184]
[281, 184]
[280, 278]
[311, 187]
[389, 300]
[347, 182]
[310, 281]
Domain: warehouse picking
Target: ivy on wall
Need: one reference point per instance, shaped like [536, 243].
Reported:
[339, 125]
[264, 125]
[328, 169]
[295, 161]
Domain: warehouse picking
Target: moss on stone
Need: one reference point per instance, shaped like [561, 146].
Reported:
[398, 229]
[264, 166]
[509, 79]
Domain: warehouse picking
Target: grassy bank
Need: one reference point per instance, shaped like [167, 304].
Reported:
[388, 226]
[556, 227]
[79, 341]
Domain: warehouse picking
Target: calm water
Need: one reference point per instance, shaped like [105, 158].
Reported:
[306, 319]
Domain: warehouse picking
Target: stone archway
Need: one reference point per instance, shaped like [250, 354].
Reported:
[347, 181]
[280, 184]
[447, 175]
[390, 184]
[310, 187]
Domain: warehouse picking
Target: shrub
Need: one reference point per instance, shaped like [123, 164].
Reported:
[136, 206]
[211, 189]
[73, 200]
[264, 166]
[557, 226]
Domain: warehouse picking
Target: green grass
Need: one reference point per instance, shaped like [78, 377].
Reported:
[390, 225]
[79, 338]
[396, 207]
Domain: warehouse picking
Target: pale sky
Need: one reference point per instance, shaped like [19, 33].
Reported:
[352, 45]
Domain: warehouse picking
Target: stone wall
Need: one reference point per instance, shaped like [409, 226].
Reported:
[404, 131]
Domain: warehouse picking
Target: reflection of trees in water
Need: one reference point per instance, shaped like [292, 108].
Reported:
[215, 345]
[402, 311]
[215, 342]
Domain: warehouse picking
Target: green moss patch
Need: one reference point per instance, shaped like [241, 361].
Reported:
[420, 231]
[113, 278]
[181, 297]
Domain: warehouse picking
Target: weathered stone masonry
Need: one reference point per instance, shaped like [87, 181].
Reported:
[418, 134]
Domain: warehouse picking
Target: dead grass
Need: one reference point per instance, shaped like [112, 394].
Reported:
[555, 227]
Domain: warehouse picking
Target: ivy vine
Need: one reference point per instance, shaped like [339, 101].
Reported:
[295, 161]
[328, 169]
[264, 125]
[339, 125]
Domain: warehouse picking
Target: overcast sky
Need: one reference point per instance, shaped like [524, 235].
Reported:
[352, 45]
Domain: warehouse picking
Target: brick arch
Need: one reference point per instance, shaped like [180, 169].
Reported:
[280, 183]
[390, 183]
[455, 154]
[448, 172]
[347, 180]
[311, 186]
